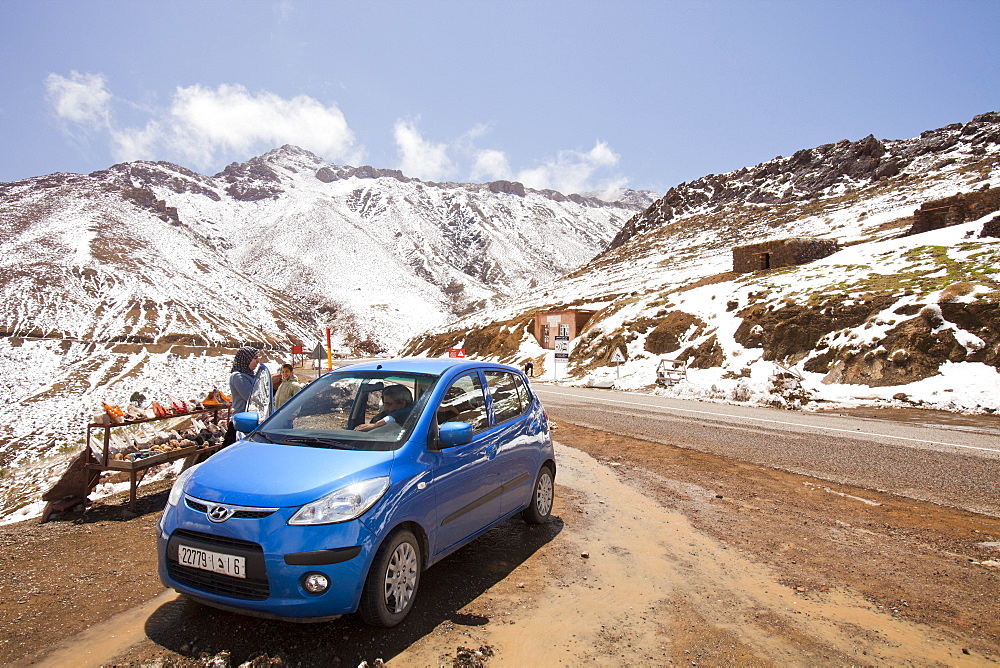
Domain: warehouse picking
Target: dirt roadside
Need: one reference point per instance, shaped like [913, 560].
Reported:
[657, 555]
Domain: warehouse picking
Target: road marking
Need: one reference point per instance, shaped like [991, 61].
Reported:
[782, 422]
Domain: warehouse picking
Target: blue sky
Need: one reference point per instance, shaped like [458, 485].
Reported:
[572, 95]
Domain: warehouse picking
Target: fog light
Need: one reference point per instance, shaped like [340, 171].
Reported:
[315, 583]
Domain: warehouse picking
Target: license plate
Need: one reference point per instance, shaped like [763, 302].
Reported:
[227, 564]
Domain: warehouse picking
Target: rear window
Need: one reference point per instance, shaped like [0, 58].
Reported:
[510, 397]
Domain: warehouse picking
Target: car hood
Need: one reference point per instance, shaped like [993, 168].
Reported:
[267, 475]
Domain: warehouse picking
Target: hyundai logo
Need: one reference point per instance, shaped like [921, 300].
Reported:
[220, 513]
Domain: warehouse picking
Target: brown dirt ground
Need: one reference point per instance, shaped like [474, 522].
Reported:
[661, 556]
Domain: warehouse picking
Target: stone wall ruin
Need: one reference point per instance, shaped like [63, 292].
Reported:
[954, 210]
[781, 253]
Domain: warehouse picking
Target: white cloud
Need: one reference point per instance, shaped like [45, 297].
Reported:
[421, 158]
[490, 165]
[136, 143]
[82, 99]
[206, 126]
[569, 172]
[611, 189]
[203, 123]
[575, 172]
[284, 9]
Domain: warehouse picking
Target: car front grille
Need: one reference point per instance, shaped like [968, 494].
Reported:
[244, 514]
[252, 588]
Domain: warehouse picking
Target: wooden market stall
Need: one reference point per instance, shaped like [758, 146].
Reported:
[97, 458]
[138, 467]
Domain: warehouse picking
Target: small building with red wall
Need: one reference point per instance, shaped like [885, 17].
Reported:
[568, 322]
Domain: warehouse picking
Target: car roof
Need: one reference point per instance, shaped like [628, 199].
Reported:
[435, 366]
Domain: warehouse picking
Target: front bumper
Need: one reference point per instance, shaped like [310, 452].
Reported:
[277, 556]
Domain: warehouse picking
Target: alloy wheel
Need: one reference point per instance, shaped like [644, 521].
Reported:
[401, 577]
[545, 494]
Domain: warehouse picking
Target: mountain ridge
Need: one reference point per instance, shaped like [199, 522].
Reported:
[894, 306]
[810, 172]
[99, 266]
[145, 276]
[458, 250]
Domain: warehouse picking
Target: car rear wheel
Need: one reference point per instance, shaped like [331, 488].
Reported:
[391, 587]
[541, 498]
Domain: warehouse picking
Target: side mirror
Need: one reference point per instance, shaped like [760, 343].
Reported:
[451, 434]
[246, 422]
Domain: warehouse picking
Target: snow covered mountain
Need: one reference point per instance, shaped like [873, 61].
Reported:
[275, 249]
[144, 277]
[908, 307]
[137, 279]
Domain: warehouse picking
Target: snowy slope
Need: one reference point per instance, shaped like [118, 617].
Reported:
[914, 317]
[145, 277]
[285, 244]
[81, 261]
[275, 249]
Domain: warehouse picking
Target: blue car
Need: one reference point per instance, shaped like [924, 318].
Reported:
[370, 474]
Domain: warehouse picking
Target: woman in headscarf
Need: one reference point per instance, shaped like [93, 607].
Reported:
[240, 384]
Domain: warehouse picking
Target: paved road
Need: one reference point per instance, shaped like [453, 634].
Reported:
[957, 465]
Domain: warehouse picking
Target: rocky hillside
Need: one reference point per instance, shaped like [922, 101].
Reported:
[855, 169]
[143, 277]
[275, 249]
[912, 292]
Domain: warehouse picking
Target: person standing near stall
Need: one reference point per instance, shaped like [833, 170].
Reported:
[240, 384]
[289, 385]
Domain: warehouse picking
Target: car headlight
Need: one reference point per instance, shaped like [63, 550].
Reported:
[343, 504]
[178, 488]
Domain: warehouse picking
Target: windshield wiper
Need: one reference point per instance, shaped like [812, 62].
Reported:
[264, 436]
[314, 440]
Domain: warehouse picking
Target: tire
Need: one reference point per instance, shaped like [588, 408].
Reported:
[391, 587]
[541, 497]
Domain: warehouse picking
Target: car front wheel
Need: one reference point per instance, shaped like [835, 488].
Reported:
[391, 587]
[541, 498]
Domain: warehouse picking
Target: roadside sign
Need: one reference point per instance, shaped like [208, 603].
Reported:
[562, 354]
[456, 352]
[319, 355]
[562, 348]
[618, 358]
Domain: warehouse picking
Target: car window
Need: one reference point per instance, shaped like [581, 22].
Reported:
[507, 392]
[522, 391]
[349, 410]
[464, 402]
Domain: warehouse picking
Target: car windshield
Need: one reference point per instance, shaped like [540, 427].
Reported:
[359, 410]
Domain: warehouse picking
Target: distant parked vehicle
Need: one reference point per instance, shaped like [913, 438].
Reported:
[360, 481]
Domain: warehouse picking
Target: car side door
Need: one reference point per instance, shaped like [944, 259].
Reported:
[466, 485]
[516, 437]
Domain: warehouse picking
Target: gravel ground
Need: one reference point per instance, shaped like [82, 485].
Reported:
[657, 555]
